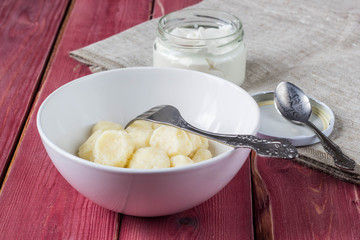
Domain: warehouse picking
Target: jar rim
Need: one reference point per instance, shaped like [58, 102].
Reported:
[210, 14]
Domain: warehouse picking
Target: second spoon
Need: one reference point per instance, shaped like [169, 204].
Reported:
[294, 105]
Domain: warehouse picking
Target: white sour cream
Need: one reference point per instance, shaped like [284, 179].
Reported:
[215, 51]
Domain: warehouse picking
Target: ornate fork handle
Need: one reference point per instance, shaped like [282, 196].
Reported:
[277, 148]
[167, 114]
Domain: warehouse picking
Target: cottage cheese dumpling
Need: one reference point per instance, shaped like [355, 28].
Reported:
[180, 160]
[86, 149]
[141, 132]
[156, 125]
[149, 158]
[201, 155]
[196, 142]
[143, 145]
[204, 143]
[113, 148]
[106, 125]
[172, 140]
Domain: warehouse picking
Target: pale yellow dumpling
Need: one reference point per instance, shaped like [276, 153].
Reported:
[201, 155]
[143, 145]
[113, 148]
[172, 140]
[141, 132]
[149, 158]
[86, 150]
[204, 143]
[180, 160]
[106, 125]
[156, 125]
[196, 143]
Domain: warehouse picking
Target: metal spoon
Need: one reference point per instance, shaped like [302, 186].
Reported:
[169, 115]
[292, 103]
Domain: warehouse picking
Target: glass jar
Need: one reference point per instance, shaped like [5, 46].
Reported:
[205, 40]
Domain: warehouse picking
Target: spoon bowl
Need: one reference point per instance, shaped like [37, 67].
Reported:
[293, 104]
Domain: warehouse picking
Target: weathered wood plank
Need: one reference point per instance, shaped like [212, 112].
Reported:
[27, 33]
[293, 202]
[227, 215]
[35, 201]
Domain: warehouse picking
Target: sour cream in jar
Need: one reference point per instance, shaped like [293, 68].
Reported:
[205, 40]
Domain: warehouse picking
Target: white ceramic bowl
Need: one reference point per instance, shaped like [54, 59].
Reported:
[65, 118]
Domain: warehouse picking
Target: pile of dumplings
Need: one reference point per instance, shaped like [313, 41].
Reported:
[143, 145]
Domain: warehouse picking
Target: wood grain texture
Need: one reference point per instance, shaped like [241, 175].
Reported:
[227, 215]
[35, 201]
[27, 32]
[295, 202]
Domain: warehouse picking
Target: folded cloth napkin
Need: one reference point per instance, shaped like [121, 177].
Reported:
[314, 46]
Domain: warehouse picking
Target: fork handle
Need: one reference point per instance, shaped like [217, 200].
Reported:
[276, 148]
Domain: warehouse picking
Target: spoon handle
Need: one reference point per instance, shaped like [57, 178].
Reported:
[276, 148]
[340, 159]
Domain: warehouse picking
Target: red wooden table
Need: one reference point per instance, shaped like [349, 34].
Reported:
[268, 199]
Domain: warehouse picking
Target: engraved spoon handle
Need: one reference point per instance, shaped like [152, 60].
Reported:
[340, 159]
[277, 148]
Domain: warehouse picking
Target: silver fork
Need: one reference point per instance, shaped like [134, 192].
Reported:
[169, 115]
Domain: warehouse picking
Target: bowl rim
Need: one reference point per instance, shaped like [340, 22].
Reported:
[114, 169]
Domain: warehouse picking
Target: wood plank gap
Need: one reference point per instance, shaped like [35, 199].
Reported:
[253, 192]
[252, 186]
[119, 221]
[34, 96]
[152, 10]
[262, 212]
[54, 46]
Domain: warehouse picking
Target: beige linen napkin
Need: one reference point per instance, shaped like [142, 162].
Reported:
[314, 46]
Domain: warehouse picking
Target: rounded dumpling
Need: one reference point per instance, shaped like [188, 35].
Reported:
[201, 155]
[143, 145]
[204, 143]
[141, 132]
[196, 143]
[86, 150]
[172, 140]
[180, 160]
[157, 125]
[106, 125]
[113, 148]
[149, 158]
